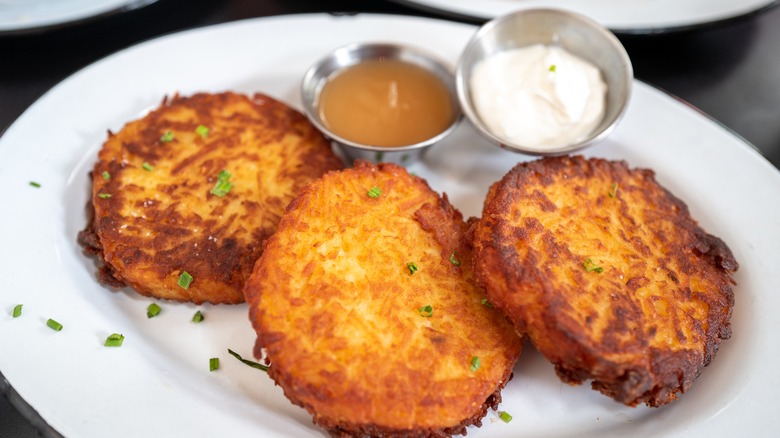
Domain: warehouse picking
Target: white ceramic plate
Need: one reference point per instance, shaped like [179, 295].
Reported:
[158, 383]
[18, 16]
[625, 16]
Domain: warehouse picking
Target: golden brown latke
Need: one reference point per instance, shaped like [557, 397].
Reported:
[155, 215]
[607, 273]
[339, 300]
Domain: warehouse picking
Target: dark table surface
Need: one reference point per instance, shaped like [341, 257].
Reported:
[730, 71]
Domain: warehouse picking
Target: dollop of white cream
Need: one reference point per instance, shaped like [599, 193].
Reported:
[540, 96]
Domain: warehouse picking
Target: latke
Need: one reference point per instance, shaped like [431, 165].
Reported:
[607, 273]
[185, 197]
[366, 308]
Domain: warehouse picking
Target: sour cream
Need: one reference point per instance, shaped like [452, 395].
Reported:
[541, 97]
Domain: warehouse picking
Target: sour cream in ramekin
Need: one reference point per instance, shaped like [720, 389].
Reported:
[540, 96]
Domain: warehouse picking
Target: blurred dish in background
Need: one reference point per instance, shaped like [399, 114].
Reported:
[620, 16]
[29, 16]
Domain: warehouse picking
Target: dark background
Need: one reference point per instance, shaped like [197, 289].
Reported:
[729, 70]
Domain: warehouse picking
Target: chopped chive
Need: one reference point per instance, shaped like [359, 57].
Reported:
[54, 325]
[259, 366]
[405, 158]
[185, 280]
[486, 303]
[202, 130]
[104, 195]
[37, 185]
[375, 192]
[147, 167]
[114, 340]
[213, 364]
[106, 175]
[198, 317]
[454, 259]
[475, 362]
[591, 267]
[412, 267]
[223, 185]
[153, 310]
[167, 137]
[504, 416]
[379, 157]
[17, 311]
[552, 68]
[613, 190]
[426, 311]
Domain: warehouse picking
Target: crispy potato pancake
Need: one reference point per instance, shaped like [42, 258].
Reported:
[366, 307]
[607, 273]
[197, 186]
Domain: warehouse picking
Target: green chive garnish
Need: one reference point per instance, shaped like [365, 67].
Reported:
[552, 68]
[35, 184]
[213, 364]
[486, 303]
[412, 267]
[114, 340]
[104, 195]
[147, 167]
[379, 157]
[202, 131]
[426, 311]
[454, 259]
[374, 192]
[153, 310]
[198, 317]
[223, 185]
[54, 325]
[504, 416]
[167, 137]
[613, 190]
[17, 311]
[106, 175]
[259, 366]
[591, 267]
[475, 363]
[185, 280]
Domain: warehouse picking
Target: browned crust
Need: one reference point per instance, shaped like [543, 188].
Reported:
[350, 346]
[492, 402]
[90, 242]
[157, 224]
[643, 328]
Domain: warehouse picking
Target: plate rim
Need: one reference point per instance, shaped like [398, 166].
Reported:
[26, 407]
